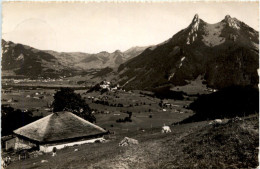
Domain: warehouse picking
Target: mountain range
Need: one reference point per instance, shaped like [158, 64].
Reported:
[26, 61]
[221, 55]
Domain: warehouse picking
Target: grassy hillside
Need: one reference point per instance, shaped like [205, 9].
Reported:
[233, 144]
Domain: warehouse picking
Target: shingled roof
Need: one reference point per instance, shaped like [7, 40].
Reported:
[59, 126]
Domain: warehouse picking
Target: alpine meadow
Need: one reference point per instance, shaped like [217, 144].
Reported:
[130, 85]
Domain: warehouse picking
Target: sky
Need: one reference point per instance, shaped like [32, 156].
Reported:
[107, 26]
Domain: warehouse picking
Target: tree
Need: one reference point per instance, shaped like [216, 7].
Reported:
[67, 100]
[15, 118]
[228, 102]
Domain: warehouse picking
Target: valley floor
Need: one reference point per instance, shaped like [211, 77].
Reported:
[233, 144]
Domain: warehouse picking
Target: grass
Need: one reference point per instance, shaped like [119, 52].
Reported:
[233, 145]
[30, 103]
[192, 145]
[140, 115]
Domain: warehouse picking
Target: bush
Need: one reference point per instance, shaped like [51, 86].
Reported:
[126, 119]
[54, 149]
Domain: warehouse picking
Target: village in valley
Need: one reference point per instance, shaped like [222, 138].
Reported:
[191, 101]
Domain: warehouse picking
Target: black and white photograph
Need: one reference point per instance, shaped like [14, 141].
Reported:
[130, 84]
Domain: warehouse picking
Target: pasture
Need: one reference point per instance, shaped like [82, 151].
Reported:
[37, 101]
[155, 149]
[191, 145]
[146, 112]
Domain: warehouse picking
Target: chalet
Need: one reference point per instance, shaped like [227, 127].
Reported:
[60, 129]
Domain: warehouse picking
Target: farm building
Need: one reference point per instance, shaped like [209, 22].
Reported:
[7, 142]
[58, 130]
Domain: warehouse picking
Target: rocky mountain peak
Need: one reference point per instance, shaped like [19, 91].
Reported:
[232, 22]
[227, 17]
[220, 55]
[117, 51]
[195, 18]
[192, 35]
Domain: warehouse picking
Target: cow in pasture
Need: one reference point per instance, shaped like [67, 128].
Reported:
[166, 129]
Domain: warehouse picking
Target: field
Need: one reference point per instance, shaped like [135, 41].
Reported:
[192, 145]
[38, 101]
[146, 112]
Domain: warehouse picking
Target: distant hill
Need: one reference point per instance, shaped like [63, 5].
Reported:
[223, 54]
[26, 61]
[86, 61]
[30, 62]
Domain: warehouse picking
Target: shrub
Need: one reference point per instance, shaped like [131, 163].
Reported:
[54, 149]
[126, 119]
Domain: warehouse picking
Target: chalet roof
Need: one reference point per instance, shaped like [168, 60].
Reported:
[59, 126]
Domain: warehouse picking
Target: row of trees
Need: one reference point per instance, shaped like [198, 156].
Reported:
[106, 103]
